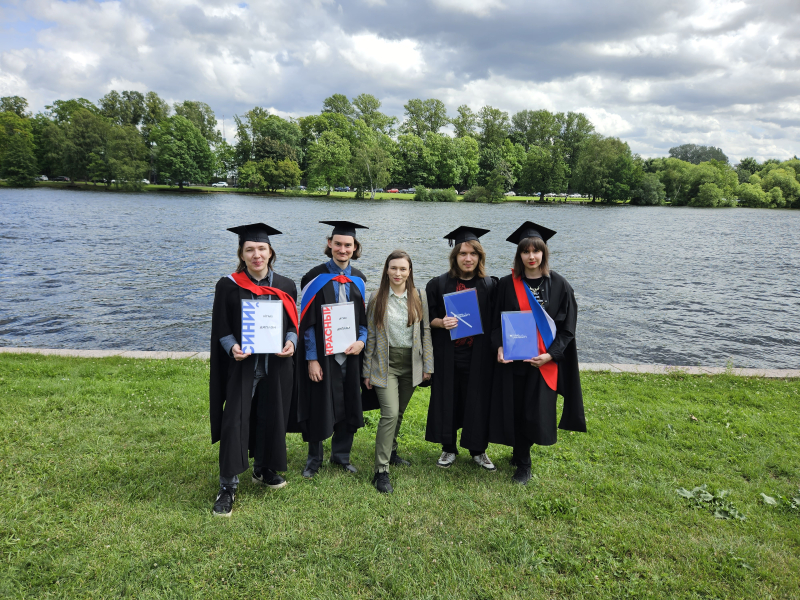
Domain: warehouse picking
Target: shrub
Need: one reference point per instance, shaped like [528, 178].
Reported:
[426, 195]
[477, 194]
[650, 191]
[422, 195]
[708, 195]
[751, 195]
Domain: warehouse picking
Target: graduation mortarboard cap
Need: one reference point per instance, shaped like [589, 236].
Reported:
[465, 234]
[530, 230]
[255, 232]
[344, 227]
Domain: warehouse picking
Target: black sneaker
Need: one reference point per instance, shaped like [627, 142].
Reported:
[382, 483]
[223, 506]
[522, 475]
[269, 478]
[397, 461]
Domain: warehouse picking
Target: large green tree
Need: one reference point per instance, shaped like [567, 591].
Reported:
[424, 116]
[49, 140]
[650, 191]
[696, 154]
[86, 137]
[17, 157]
[328, 161]
[367, 108]
[575, 128]
[62, 111]
[606, 169]
[182, 151]
[127, 108]
[338, 104]
[465, 123]
[493, 126]
[261, 134]
[543, 171]
[122, 161]
[201, 116]
[535, 128]
[16, 104]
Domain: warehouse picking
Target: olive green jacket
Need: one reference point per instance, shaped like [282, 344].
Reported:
[376, 354]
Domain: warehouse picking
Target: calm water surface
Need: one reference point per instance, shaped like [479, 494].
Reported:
[654, 285]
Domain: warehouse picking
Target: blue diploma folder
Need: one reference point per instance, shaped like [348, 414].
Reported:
[464, 306]
[520, 341]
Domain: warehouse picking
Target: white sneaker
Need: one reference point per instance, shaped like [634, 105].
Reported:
[483, 461]
[446, 459]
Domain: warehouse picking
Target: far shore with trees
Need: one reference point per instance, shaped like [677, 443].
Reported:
[128, 140]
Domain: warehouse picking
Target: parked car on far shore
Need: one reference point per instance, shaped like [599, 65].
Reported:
[392, 191]
[511, 193]
[60, 178]
[220, 184]
[41, 178]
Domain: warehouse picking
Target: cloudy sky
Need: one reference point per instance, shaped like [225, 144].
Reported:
[654, 73]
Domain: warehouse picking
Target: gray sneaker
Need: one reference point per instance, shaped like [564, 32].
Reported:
[446, 460]
[483, 461]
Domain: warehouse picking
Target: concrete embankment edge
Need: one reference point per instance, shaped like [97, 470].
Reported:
[610, 367]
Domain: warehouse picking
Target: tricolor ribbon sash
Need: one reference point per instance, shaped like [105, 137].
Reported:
[243, 281]
[308, 293]
[545, 328]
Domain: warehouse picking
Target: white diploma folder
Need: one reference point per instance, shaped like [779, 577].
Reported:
[338, 327]
[262, 326]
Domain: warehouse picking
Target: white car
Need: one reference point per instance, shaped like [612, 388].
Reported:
[146, 181]
[510, 194]
[219, 184]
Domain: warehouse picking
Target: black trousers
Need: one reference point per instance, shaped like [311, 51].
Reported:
[522, 441]
[461, 380]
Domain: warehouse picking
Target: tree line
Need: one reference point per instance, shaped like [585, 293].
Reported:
[127, 137]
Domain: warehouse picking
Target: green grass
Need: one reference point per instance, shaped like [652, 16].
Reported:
[189, 189]
[108, 478]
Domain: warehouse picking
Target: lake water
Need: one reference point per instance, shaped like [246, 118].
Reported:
[683, 286]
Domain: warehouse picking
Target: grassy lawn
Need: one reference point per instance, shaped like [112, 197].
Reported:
[197, 188]
[108, 478]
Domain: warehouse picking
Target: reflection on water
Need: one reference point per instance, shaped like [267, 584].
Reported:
[654, 285]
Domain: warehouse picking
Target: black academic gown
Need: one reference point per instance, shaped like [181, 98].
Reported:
[244, 425]
[321, 405]
[540, 400]
[441, 428]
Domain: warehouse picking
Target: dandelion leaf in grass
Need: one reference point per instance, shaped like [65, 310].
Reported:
[701, 494]
[685, 493]
[769, 499]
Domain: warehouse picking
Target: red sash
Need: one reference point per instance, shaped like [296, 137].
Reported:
[549, 370]
[243, 281]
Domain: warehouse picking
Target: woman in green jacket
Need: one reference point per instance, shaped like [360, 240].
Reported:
[398, 356]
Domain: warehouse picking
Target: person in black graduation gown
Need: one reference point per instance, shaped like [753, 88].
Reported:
[250, 394]
[523, 404]
[329, 387]
[461, 385]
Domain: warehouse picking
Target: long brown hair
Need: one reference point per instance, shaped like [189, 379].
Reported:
[526, 244]
[480, 270]
[243, 265]
[382, 297]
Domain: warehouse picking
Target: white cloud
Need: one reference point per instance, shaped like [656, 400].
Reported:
[372, 54]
